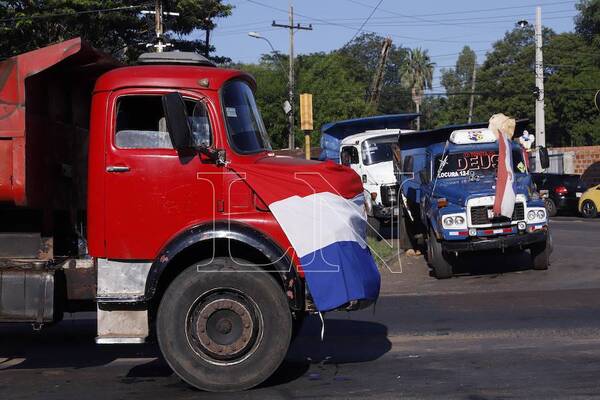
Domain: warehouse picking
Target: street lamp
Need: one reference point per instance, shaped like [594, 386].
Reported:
[257, 35]
[540, 124]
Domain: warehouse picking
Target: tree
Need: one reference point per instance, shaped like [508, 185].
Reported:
[115, 26]
[458, 80]
[198, 14]
[361, 58]
[587, 23]
[417, 75]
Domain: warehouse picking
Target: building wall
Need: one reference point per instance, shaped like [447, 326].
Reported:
[585, 161]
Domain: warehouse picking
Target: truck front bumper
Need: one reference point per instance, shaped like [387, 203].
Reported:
[522, 241]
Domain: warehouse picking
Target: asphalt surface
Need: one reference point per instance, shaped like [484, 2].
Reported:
[496, 330]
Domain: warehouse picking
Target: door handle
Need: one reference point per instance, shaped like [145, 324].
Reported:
[117, 168]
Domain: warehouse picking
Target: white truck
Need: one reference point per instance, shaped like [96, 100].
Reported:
[366, 146]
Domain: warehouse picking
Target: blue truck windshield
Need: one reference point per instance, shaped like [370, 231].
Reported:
[480, 162]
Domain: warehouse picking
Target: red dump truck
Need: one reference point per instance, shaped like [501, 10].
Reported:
[120, 193]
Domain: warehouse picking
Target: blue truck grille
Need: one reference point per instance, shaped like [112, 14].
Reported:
[479, 215]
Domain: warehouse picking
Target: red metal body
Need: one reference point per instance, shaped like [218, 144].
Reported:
[49, 98]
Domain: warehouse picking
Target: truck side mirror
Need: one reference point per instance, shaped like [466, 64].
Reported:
[177, 121]
[544, 158]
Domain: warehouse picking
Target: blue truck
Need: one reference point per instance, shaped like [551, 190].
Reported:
[447, 188]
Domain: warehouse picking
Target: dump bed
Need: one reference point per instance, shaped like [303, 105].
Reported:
[45, 98]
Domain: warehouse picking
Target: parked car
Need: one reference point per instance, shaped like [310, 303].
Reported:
[589, 202]
[560, 191]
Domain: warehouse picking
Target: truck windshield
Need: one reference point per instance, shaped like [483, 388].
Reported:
[377, 150]
[480, 162]
[245, 127]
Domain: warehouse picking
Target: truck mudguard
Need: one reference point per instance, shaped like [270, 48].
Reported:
[237, 232]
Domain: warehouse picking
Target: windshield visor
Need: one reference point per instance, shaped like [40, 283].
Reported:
[482, 163]
[247, 133]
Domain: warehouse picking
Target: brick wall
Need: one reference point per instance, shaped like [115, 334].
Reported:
[586, 163]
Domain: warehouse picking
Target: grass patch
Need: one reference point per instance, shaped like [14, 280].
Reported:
[382, 250]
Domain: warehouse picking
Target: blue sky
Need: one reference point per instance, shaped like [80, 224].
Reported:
[441, 26]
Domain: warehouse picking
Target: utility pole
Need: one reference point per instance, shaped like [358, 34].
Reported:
[472, 99]
[540, 123]
[158, 23]
[291, 28]
[379, 72]
[159, 28]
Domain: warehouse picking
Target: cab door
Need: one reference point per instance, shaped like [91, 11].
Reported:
[153, 192]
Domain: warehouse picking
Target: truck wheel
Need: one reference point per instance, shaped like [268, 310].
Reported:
[588, 209]
[550, 207]
[224, 330]
[436, 258]
[540, 255]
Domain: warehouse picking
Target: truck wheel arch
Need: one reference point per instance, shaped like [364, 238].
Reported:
[205, 241]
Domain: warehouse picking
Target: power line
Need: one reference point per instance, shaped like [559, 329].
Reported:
[365, 21]
[472, 11]
[68, 14]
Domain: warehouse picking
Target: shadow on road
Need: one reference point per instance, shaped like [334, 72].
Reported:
[493, 262]
[70, 344]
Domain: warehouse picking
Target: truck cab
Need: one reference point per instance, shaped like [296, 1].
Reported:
[150, 194]
[448, 190]
[366, 145]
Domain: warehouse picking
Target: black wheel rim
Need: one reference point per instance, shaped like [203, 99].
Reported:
[588, 208]
[224, 326]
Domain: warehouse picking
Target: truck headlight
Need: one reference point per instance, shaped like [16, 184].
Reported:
[541, 214]
[531, 215]
[454, 221]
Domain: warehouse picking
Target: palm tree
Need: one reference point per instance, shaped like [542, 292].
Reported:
[417, 74]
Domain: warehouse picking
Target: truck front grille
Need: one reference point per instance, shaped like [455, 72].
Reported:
[479, 215]
[389, 195]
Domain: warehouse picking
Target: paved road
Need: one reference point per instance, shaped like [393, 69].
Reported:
[497, 330]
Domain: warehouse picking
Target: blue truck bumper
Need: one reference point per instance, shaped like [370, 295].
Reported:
[522, 240]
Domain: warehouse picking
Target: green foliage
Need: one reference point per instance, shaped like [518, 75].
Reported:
[362, 58]
[28, 25]
[587, 23]
[457, 80]
[416, 74]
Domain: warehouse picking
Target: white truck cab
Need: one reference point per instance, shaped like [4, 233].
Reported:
[370, 154]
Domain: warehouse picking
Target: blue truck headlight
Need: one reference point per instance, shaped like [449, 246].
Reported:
[454, 221]
[541, 214]
[536, 215]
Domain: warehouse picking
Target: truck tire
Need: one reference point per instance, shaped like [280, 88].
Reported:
[405, 241]
[540, 255]
[550, 207]
[227, 328]
[436, 258]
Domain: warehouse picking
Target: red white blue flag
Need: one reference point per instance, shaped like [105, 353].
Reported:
[320, 208]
